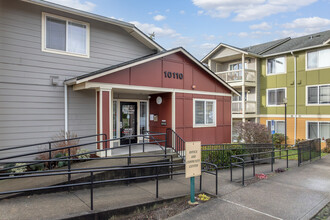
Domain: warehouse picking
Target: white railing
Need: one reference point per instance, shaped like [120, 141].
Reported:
[237, 75]
[250, 107]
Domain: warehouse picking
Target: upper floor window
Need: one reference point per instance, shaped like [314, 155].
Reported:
[276, 65]
[66, 36]
[318, 59]
[318, 129]
[275, 97]
[237, 66]
[319, 94]
[204, 113]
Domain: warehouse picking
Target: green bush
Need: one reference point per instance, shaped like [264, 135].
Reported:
[279, 139]
[85, 154]
[21, 169]
[36, 167]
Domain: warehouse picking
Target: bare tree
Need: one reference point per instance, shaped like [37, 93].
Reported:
[252, 133]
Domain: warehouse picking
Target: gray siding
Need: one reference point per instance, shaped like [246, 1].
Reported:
[31, 109]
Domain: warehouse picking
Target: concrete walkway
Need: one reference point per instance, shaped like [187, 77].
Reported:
[297, 193]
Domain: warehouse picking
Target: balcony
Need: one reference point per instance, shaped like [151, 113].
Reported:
[250, 107]
[236, 76]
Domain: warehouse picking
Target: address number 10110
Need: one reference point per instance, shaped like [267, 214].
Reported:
[173, 75]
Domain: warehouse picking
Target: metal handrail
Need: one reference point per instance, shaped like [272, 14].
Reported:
[178, 142]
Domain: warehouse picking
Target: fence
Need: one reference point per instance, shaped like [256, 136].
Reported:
[304, 151]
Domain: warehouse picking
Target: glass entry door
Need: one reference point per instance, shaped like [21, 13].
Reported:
[128, 121]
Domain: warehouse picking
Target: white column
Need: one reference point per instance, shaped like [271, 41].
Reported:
[173, 111]
[243, 86]
[65, 110]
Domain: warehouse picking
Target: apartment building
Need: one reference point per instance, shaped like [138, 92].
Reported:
[70, 70]
[295, 69]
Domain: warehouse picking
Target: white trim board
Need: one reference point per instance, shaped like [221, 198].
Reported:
[95, 85]
[292, 116]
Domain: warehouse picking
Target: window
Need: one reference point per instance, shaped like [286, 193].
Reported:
[114, 119]
[61, 35]
[318, 95]
[279, 126]
[204, 113]
[275, 96]
[143, 117]
[276, 66]
[318, 59]
[318, 129]
[237, 66]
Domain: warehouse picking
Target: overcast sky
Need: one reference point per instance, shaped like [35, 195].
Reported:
[199, 25]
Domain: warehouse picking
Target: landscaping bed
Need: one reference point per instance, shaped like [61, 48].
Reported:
[324, 214]
[161, 210]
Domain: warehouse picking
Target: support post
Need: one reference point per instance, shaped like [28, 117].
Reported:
[200, 182]
[231, 170]
[157, 182]
[69, 165]
[129, 150]
[287, 158]
[192, 189]
[243, 172]
[49, 156]
[92, 191]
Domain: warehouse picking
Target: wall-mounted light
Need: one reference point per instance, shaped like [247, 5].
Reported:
[193, 86]
[54, 80]
[159, 100]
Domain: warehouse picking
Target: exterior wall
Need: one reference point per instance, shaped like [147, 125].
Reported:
[221, 133]
[32, 110]
[164, 112]
[304, 78]
[301, 127]
[225, 52]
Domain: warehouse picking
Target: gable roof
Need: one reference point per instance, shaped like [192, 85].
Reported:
[141, 60]
[280, 46]
[130, 28]
[300, 43]
[240, 50]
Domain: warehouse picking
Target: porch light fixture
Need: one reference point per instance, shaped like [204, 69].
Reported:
[159, 100]
[193, 86]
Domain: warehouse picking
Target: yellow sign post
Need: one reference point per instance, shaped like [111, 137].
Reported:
[193, 165]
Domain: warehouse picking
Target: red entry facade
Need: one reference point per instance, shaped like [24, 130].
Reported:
[177, 73]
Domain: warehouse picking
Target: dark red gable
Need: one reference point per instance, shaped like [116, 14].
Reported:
[152, 74]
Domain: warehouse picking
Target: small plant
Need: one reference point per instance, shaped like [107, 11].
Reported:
[279, 138]
[327, 147]
[19, 168]
[84, 153]
[36, 167]
[203, 197]
[279, 170]
[261, 176]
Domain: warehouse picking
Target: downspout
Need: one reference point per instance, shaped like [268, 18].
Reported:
[65, 109]
[295, 96]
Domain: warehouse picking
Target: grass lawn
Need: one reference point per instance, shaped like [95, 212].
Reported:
[292, 154]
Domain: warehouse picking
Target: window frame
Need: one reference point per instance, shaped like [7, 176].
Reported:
[318, 129]
[49, 50]
[276, 121]
[285, 66]
[214, 124]
[306, 60]
[318, 95]
[267, 104]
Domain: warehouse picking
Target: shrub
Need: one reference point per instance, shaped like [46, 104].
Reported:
[327, 147]
[38, 166]
[21, 169]
[252, 133]
[63, 152]
[327, 141]
[85, 154]
[279, 139]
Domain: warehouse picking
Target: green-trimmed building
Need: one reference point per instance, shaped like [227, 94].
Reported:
[295, 70]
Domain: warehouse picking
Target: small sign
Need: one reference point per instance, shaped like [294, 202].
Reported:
[151, 117]
[273, 127]
[163, 123]
[193, 159]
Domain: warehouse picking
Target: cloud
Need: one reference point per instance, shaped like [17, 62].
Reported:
[77, 4]
[159, 17]
[261, 26]
[159, 31]
[182, 12]
[243, 10]
[200, 12]
[208, 46]
[305, 26]
[209, 37]
[167, 10]
[243, 34]
[312, 22]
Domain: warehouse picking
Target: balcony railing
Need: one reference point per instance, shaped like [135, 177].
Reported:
[237, 75]
[250, 107]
